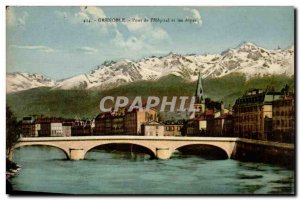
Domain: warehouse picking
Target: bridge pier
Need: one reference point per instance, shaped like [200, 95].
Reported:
[77, 154]
[163, 153]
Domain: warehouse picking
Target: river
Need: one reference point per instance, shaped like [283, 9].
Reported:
[45, 169]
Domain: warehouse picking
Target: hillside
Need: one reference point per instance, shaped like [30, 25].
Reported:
[85, 103]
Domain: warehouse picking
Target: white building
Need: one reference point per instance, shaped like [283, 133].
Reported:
[153, 129]
[56, 129]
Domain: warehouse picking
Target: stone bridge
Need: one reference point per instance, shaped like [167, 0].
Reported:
[76, 148]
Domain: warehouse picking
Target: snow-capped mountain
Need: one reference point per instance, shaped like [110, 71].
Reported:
[23, 81]
[247, 59]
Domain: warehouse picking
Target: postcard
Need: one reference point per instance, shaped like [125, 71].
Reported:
[131, 100]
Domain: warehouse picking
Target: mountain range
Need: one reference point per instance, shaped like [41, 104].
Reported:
[247, 59]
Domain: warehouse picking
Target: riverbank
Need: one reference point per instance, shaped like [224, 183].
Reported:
[248, 150]
[12, 169]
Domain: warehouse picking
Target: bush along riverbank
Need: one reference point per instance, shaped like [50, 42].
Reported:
[12, 169]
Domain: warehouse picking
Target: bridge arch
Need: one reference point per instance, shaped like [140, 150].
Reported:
[19, 145]
[227, 148]
[151, 150]
[143, 148]
[206, 150]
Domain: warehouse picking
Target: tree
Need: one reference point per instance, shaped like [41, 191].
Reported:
[13, 130]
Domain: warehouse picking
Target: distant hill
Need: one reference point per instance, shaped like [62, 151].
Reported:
[81, 103]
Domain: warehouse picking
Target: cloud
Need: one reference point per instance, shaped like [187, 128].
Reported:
[144, 36]
[195, 14]
[87, 50]
[137, 26]
[46, 49]
[131, 43]
[87, 13]
[136, 36]
[15, 19]
[41, 48]
[137, 45]
[146, 29]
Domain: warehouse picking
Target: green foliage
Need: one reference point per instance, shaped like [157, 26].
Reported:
[219, 89]
[85, 103]
[56, 103]
[13, 130]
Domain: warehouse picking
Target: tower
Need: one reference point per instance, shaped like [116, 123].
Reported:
[199, 90]
[199, 95]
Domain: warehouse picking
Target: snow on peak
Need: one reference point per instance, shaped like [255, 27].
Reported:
[247, 58]
[247, 47]
[18, 81]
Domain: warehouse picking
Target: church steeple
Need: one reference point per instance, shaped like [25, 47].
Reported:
[199, 104]
[199, 94]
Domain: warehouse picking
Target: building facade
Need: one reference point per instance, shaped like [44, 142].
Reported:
[67, 129]
[220, 126]
[283, 120]
[82, 128]
[50, 127]
[29, 128]
[152, 129]
[173, 129]
[253, 114]
[123, 122]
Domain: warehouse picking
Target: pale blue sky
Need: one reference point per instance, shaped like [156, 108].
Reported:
[55, 42]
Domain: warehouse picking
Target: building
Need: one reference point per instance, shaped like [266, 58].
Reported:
[173, 129]
[283, 120]
[220, 126]
[103, 124]
[82, 128]
[135, 119]
[67, 128]
[56, 127]
[110, 123]
[50, 127]
[118, 125]
[29, 128]
[123, 122]
[201, 123]
[197, 126]
[152, 129]
[42, 127]
[253, 113]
